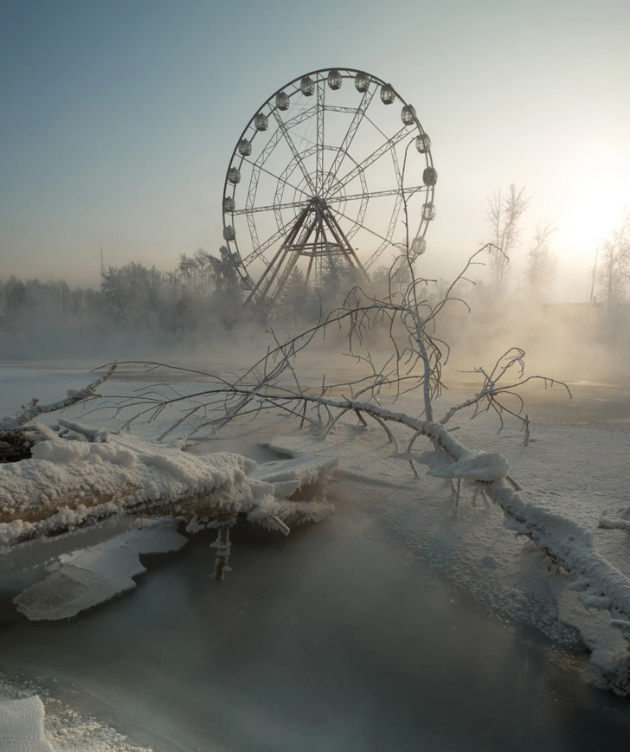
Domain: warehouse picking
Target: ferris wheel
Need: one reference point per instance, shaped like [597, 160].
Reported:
[323, 180]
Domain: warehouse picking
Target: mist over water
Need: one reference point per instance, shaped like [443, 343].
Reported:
[331, 639]
[562, 340]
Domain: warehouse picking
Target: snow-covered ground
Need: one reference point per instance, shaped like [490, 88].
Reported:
[576, 467]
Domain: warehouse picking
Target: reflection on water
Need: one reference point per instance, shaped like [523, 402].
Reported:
[333, 639]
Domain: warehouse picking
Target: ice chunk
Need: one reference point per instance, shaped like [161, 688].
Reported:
[96, 575]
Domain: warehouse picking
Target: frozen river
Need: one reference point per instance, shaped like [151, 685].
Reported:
[334, 639]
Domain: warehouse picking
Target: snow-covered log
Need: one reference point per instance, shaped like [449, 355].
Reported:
[69, 484]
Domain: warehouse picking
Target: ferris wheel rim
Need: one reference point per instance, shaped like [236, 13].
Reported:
[347, 73]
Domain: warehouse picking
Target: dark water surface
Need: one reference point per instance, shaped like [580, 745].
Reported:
[333, 639]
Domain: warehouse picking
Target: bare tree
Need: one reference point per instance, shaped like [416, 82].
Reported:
[414, 364]
[227, 299]
[12, 299]
[504, 215]
[614, 271]
[541, 264]
[197, 271]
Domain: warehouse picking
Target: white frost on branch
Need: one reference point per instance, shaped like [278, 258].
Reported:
[9, 425]
[74, 430]
[480, 466]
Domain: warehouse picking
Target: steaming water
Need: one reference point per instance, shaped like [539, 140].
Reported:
[334, 638]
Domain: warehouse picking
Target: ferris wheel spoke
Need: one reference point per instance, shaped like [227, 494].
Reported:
[270, 207]
[399, 176]
[321, 100]
[335, 108]
[296, 155]
[368, 161]
[390, 232]
[277, 177]
[259, 250]
[361, 226]
[268, 150]
[334, 200]
[359, 114]
[374, 194]
[277, 135]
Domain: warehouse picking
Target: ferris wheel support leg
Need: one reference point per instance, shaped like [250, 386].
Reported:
[312, 259]
[289, 239]
[272, 279]
[287, 250]
[344, 244]
[306, 234]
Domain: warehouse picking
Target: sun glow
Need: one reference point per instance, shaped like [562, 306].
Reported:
[592, 202]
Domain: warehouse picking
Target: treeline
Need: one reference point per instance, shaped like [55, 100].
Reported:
[203, 292]
[202, 289]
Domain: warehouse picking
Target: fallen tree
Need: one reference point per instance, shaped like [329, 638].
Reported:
[414, 365]
[221, 487]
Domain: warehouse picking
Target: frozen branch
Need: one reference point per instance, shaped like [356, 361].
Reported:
[15, 440]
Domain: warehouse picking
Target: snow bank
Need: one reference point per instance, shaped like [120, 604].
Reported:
[22, 726]
[93, 576]
[32, 721]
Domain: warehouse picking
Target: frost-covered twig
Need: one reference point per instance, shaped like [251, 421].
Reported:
[14, 436]
[35, 409]
[606, 523]
[492, 392]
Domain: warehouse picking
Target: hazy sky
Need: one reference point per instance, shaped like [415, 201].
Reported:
[118, 117]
